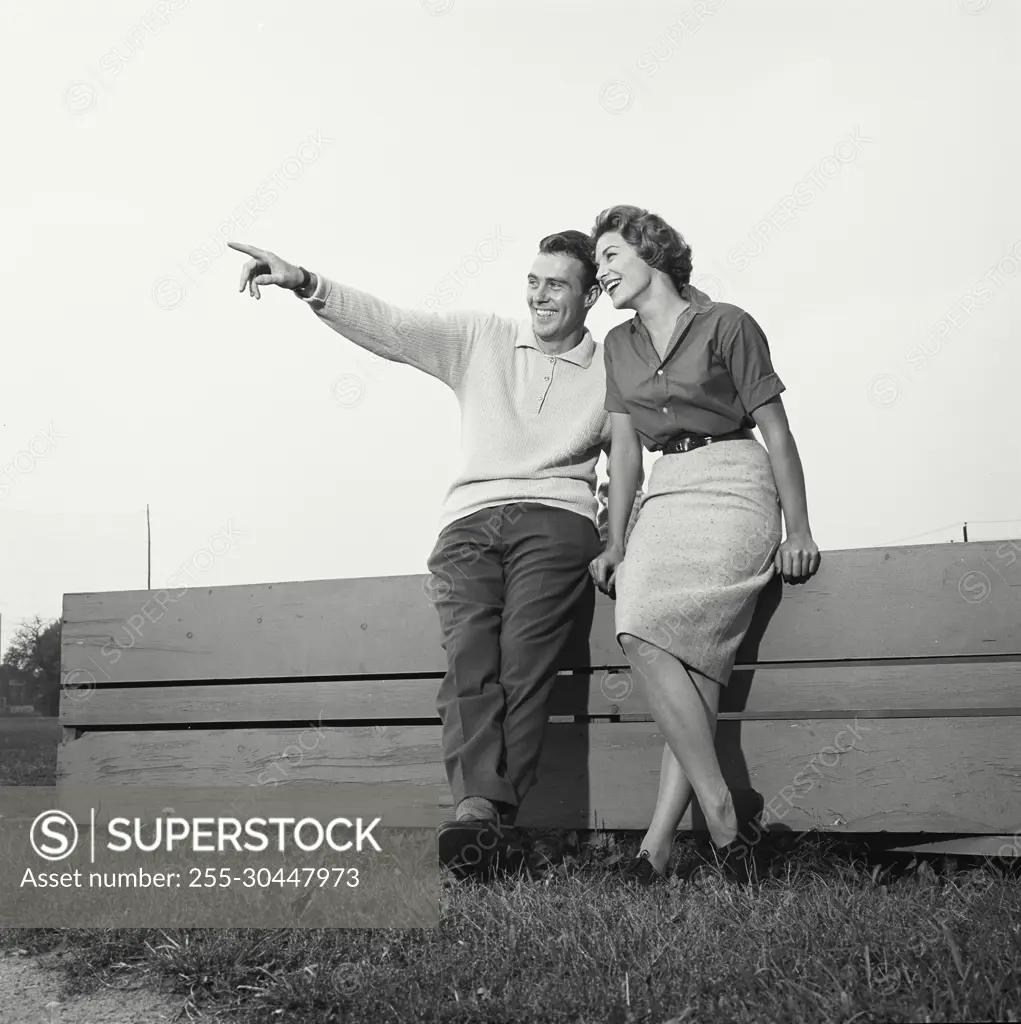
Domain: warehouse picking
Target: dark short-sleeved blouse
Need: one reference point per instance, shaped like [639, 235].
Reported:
[716, 373]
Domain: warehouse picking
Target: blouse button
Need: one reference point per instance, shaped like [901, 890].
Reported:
[664, 408]
[546, 377]
[659, 373]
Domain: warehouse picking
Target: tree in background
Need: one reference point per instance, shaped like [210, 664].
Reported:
[34, 655]
[9, 685]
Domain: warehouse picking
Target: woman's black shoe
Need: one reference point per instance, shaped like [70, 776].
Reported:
[748, 805]
[737, 862]
[641, 872]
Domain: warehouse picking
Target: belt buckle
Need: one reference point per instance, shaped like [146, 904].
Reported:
[685, 444]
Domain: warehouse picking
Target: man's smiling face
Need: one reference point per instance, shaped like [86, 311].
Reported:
[557, 297]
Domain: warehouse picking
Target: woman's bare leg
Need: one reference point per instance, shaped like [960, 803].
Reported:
[684, 707]
[671, 803]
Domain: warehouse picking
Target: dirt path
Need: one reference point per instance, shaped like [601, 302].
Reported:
[29, 994]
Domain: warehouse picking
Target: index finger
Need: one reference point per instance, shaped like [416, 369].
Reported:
[249, 250]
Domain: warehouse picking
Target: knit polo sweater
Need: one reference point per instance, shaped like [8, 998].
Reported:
[532, 424]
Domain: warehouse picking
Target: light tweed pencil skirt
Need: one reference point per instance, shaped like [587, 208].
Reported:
[699, 554]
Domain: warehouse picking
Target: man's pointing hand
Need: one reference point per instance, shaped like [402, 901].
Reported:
[265, 268]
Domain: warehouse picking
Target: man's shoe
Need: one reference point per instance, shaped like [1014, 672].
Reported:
[456, 836]
[479, 847]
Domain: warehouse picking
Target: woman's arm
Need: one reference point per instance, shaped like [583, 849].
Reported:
[624, 470]
[798, 556]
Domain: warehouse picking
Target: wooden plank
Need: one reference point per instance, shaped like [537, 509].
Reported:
[970, 846]
[788, 692]
[942, 775]
[925, 601]
[418, 806]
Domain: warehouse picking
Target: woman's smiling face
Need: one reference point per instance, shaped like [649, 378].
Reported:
[621, 272]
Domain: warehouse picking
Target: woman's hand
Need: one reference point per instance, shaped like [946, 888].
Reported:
[603, 568]
[797, 557]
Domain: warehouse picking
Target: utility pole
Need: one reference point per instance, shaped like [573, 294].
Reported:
[965, 533]
[148, 550]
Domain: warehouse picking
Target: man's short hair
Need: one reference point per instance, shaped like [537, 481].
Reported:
[577, 245]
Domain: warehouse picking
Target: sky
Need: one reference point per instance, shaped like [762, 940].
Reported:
[846, 172]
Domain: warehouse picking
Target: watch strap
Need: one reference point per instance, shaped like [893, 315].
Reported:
[306, 280]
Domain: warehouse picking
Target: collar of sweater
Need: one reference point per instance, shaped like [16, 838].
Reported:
[581, 355]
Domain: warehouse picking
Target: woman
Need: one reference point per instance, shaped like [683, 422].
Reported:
[690, 377]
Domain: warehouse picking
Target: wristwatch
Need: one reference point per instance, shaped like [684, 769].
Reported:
[306, 281]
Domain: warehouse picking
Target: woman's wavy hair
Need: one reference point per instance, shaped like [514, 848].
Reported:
[655, 241]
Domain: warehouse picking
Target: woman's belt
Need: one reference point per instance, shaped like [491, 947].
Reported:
[687, 440]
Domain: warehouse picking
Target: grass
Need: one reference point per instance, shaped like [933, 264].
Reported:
[830, 940]
[836, 933]
[28, 750]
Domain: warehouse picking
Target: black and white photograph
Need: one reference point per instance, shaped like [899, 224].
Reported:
[510, 512]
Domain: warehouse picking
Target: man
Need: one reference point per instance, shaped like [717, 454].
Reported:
[509, 572]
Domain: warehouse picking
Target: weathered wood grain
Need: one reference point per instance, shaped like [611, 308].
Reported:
[781, 692]
[914, 775]
[925, 601]
[419, 806]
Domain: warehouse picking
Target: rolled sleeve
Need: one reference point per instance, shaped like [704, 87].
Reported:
[745, 353]
[613, 403]
[318, 298]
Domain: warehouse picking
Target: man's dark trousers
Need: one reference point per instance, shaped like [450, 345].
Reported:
[510, 584]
